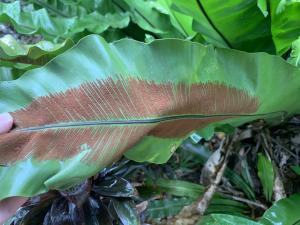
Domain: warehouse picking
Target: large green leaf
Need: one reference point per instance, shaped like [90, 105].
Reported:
[60, 8]
[68, 20]
[91, 104]
[153, 16]
[285, 23]
[55, 28]
[182, 22]
[13, 51]
[236, 24]
[285, 211]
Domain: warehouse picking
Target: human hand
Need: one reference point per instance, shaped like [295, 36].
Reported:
[8, 206]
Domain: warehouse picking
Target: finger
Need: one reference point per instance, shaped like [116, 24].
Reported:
[9, 206]
[6, 122]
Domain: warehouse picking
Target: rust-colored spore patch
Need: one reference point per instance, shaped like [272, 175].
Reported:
[102, 144]
[106, 100]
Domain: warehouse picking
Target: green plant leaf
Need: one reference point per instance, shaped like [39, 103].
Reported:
[263, 6]
[192, 191]
[296, 169]
[221, 204]
[126, 212]
[114, 187]
[285, 27]
[8, 73]
[55, 28]
[294, 58]
[12, 51]
[152, 16]
[203, 154]
[223, 219]
[96, 213]
[182, 22]
[266, 175]
[239, 182]
[177, 188]
[164, 208]
[285, 211]
[97, 101]
[60, 8]
[234, 24]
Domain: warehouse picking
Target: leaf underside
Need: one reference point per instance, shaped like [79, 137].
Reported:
[105, 118]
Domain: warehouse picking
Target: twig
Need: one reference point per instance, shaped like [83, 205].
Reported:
[207, 196]
[283, 147]
[247, 201]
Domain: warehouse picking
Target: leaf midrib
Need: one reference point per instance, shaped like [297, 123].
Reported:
[92, 123]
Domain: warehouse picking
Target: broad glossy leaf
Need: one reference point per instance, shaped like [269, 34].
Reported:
[235, 23]
[92, 209]
[126, 212]
[13, 51]
[96, 213]
[285, 211]
[60, 8]
[34, 210]
[114, 187]
[97, 101]
[56, 28]
[56, 19]
[64, 212]
[223, 219]
[266, 175]
[182, 22]
[285, 23]
[152, 16]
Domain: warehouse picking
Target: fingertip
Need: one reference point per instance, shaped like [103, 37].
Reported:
[6, 122]
[9, 206]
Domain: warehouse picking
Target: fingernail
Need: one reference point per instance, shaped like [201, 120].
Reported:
[6, 122]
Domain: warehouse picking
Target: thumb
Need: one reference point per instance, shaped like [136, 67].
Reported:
[6, 122]
[9, 206]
